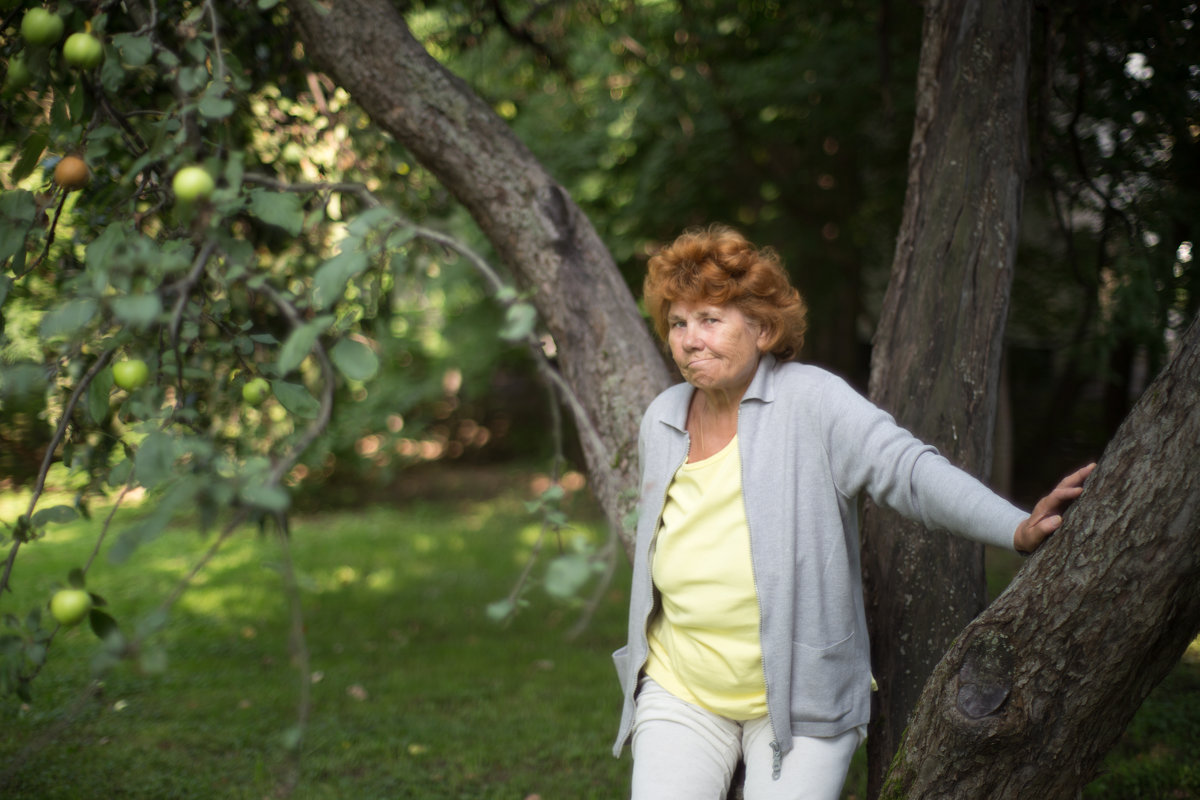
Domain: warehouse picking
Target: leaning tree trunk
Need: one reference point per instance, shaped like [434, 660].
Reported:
[605, 352]
[937, 350]
[1040, 686]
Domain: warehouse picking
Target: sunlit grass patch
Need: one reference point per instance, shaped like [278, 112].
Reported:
[414, 692]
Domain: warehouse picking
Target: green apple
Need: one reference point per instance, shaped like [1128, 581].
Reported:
[130, 374]
[70, 606]
[83, 51]
[18, 76]
[255, 390]
[41, 27]
[192, 184]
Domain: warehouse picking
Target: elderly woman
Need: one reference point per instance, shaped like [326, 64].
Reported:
[747, 634]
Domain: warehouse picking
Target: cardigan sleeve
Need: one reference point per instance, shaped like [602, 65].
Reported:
[869, 452]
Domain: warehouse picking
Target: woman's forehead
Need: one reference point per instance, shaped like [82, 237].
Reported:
[691, 308]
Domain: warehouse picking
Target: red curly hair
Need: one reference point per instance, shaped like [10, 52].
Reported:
[719, 265]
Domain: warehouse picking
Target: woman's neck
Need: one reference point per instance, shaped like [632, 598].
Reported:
[712, 423]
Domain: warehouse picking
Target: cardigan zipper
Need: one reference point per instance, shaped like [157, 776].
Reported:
[776, 750]
[650, 558]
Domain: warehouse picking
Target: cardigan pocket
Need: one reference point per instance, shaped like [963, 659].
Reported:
[823, 680]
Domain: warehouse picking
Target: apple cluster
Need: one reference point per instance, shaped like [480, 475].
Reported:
[41, 27]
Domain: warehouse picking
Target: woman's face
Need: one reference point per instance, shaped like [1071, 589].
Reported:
[716, 347]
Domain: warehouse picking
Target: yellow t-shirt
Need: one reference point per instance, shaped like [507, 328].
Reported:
[704, 640]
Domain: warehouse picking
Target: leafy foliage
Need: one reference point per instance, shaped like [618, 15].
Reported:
[304, 262]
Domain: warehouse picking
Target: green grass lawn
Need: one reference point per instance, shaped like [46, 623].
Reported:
[414, 691]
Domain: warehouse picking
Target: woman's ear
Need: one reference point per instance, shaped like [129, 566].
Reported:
[765, 339]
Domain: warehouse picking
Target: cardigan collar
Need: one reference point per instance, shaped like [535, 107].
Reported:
[762, 388]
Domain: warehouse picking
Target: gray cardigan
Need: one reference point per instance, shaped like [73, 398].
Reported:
[810, 444]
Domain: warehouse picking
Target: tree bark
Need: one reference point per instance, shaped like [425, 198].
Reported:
[605, 351]
[1039, 687]
[937, 350]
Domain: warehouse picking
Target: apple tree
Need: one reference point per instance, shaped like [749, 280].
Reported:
[198, 267]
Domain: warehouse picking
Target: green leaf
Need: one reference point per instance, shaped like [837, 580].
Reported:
[103, 625]
[68, 318]
[355, 360]
[97, 395]
[153, 660]
[213, 104]
[57, 514]
[567, 574]
[76, 578]
[31, 154]
[292, 738]
[269, 498]
[36, 653]
[519, 320]
[17, 210]
[112, 74]
[500, 610]
[75, 102]
[120, 472]
[278, 208]
[151, 624]
[140, 310]
[150, 527]
[111, 240]
[192, 78]
[368, 220]
[155, 458]
[136, 51]
[300, 343]
[296, 399]
[329, 281]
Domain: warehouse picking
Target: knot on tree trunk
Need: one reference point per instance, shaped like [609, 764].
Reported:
[985, 676]
[555, 207]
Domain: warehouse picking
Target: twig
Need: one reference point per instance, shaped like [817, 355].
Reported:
[326, 411]
[49, 237]
[108, 522]
[218, 59]
[298, 646]
[357, 189]
[48, 459]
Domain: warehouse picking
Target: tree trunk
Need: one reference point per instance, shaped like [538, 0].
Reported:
[937, 350]
[605, 351]
[1037, 689]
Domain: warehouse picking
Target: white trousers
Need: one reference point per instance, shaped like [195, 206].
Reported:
[683, 752]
